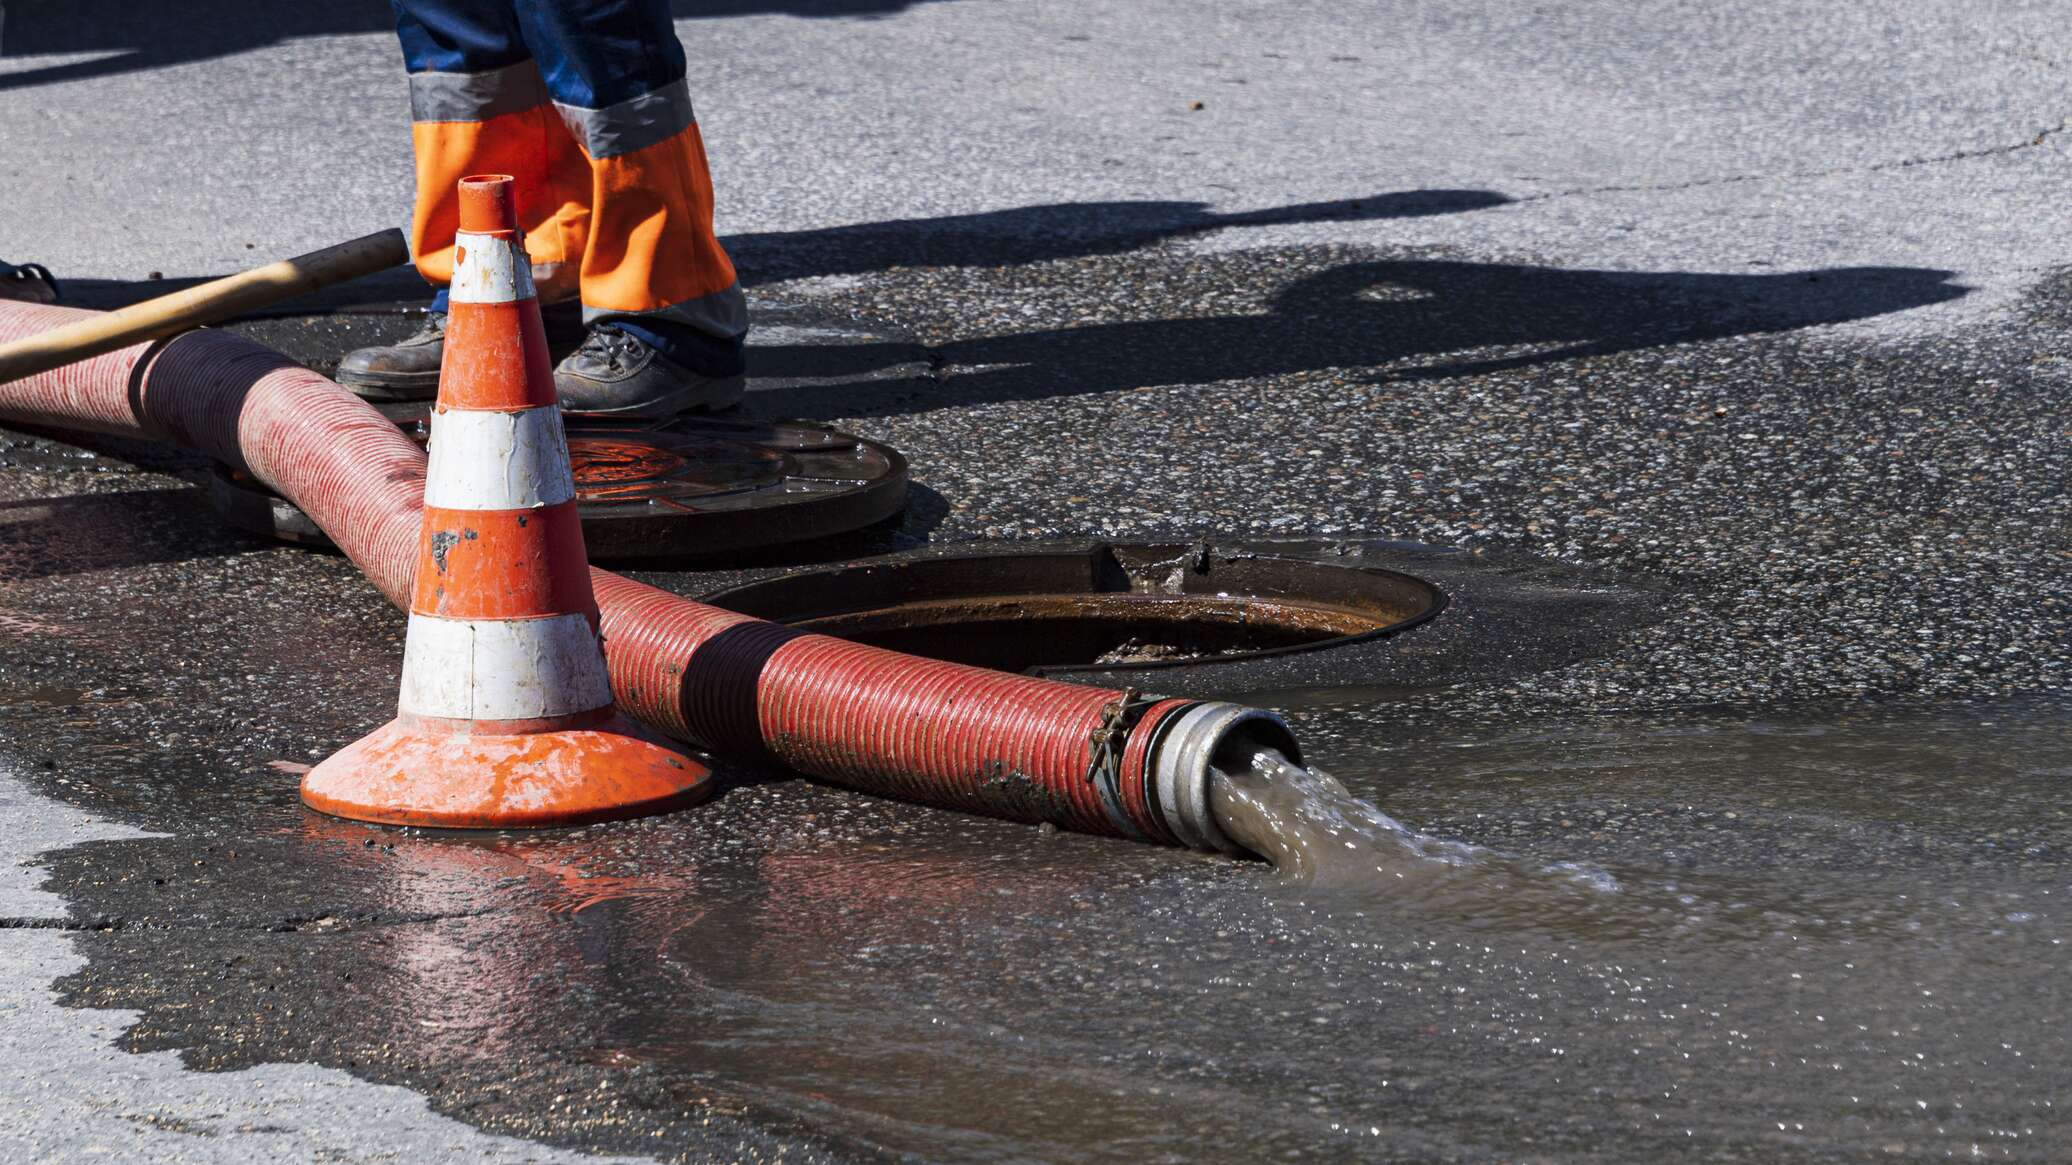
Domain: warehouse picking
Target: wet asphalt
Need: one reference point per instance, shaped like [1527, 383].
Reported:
[1748, 495]
[727, 983]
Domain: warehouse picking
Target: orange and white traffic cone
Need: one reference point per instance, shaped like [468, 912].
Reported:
[505, 718]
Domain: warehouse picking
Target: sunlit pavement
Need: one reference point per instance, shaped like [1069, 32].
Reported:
[1760, 303]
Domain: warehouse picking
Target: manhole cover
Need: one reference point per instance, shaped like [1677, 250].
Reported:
[1102, 609]
[691, 486]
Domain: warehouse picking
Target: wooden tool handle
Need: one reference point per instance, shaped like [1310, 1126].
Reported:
[207, 303]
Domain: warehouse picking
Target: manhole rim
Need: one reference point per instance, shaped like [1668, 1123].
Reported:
[1435, 599]
[644, 529]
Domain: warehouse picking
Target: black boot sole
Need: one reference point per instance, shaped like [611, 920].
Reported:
[709, 395]
[403, 387]
[391, 386]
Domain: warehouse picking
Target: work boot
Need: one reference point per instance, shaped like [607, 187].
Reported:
[28, 282]
[405, 370]
[409, 368]
[617, 374]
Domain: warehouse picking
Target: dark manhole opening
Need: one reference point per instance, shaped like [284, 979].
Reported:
[1106, 609]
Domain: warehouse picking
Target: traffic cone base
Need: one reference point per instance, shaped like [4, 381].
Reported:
[410, 773]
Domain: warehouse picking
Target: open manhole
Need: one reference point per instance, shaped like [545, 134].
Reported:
[694, 486]
[1102, 609]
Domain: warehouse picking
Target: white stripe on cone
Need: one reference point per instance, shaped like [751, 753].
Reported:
[498, 461]
[493, 669]
[490, 269]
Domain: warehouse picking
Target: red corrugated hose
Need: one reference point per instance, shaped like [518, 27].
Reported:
[939, 733]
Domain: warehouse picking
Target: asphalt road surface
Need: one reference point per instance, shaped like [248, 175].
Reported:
[1757, 307]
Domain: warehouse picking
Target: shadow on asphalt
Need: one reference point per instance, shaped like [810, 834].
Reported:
[1382, 320]
[1318, 308]
[147, 36]
[85, 534]
[1067, 230]
[1363, 315]
[155, 36]
[999, 238]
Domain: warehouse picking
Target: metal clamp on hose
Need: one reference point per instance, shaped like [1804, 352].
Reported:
[1104, 765]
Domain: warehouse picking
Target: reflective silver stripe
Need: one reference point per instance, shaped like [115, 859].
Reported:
[635, 124]
[723, 313]
[476, 96]
[557, 279]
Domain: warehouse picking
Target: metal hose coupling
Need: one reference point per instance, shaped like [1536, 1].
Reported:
[1196, 743]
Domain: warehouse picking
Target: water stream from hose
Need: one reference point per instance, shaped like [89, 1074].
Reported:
[1337, 848]
[1320, 836]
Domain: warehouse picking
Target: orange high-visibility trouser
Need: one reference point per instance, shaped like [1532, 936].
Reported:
[585, 102]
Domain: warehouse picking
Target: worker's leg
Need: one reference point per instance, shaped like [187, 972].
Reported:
[478, 106]
[652, 267]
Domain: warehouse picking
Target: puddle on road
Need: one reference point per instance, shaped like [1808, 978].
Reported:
[1826, 939]
[40, 696]
[1332, 845]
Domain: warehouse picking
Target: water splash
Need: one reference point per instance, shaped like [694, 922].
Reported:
[1317, 834]
[1337, 848]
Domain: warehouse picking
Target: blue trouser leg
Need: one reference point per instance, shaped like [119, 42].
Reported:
[596, 54]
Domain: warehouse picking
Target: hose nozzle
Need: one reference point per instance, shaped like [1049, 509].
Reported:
[1196, 744]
